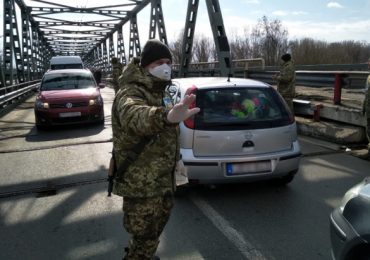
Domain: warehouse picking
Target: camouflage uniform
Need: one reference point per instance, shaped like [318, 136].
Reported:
[148, 184]
[117, 70]
[286, 83]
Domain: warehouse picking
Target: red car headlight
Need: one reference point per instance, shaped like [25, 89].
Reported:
[42, 105]
[96, 101]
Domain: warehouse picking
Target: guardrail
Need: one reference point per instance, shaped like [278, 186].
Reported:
[352, 75]
[345, 76]
[349, 79]
[9, 94]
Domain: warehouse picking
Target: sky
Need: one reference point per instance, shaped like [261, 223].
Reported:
[318, 19]
[329, 21]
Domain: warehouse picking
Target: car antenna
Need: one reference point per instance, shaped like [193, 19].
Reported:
[229, 75]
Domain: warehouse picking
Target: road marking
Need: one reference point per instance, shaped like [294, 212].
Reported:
[244, 246]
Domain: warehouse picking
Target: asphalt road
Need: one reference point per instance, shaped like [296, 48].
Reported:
[53, 202]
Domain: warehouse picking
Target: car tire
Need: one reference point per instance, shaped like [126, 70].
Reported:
[359, 253]
[40, 127]
[281, 181]
[181, 191]
[100, 123]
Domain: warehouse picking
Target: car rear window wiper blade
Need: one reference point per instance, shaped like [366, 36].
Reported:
[228, 124]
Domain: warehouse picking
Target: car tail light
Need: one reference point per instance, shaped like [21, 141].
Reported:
[189, 123]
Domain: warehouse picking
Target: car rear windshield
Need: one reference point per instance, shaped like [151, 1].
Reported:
[67, 81]
[66, 66]
[240, 108]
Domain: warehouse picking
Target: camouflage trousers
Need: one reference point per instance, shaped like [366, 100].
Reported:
[289, 101]
[145, 219]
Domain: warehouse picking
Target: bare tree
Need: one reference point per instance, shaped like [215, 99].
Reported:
[308, 51]
[240, 46]
[270, 40]
[176, 48]
[202, 49]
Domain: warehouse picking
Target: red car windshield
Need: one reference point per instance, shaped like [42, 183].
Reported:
[67, 81]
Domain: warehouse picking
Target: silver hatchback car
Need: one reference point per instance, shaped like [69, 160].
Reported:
[244, 132]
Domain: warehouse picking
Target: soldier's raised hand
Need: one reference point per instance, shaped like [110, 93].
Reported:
[181, 111]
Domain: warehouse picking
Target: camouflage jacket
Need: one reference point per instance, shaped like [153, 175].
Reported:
[138, 110]
[286, 80]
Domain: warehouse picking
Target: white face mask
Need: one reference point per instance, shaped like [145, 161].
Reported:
[162, 71]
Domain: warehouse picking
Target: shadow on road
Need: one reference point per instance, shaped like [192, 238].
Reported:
[64, 132]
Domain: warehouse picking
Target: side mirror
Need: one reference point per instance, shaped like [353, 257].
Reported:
[101, 85]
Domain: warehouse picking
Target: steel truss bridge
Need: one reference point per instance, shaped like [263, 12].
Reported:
[36, 30]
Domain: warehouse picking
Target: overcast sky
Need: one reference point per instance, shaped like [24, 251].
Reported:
[318, 19]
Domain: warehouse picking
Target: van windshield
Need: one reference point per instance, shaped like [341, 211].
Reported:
[67, 81]
[240, 108]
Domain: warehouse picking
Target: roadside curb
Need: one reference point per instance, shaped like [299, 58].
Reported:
[331, 131]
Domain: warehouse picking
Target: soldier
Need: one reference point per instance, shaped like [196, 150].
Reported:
[366, 109]
[97, 75]
[286, 80]
[117, 70]
[143, 110]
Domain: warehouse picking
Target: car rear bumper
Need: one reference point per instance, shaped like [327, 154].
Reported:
[209, 170]
[343, 236]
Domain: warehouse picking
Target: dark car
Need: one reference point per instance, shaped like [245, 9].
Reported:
[350, 224]
[68, 96]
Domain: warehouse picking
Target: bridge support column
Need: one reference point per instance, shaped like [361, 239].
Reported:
[337, 89]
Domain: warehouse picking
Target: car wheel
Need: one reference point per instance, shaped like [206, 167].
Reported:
[40, 127]
[100, 122]
[281, 181]
[181, 191]
[359, 253]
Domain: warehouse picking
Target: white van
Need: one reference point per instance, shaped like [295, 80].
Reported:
[66, 62]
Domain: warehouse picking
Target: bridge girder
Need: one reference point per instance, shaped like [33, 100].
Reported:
[46, 31]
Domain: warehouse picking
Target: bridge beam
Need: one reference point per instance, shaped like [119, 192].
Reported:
[219, 36]
[8, 42]
[156, 20]
[188, 37]
[134, 45]
[121, 47]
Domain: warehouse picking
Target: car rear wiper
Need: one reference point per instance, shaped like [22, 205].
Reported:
[228, 124]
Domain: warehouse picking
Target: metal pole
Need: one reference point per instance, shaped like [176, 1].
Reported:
[337, 89]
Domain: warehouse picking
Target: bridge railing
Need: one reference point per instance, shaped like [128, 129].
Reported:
[338, 77]
[9, 94]
[351, 75]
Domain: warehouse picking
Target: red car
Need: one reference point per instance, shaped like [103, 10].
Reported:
[69, 96]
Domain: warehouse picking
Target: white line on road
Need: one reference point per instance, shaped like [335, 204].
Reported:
[244, 246]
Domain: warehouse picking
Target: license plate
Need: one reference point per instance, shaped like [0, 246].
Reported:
[70, 114]
[248, 168]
